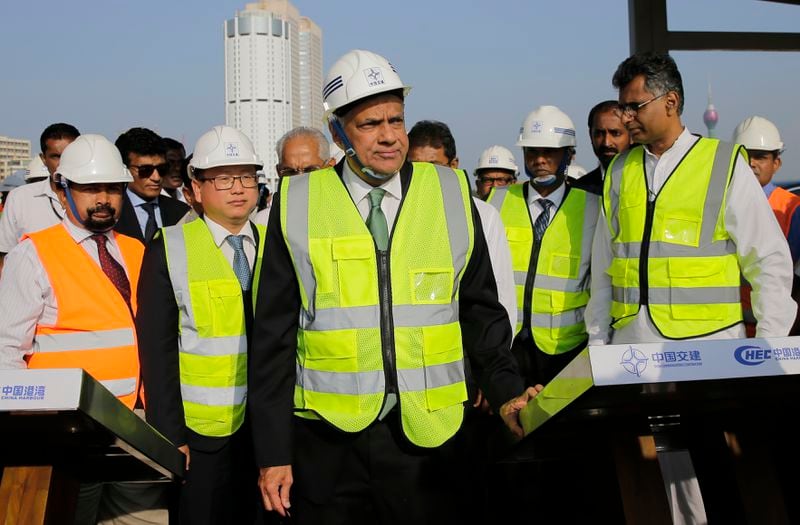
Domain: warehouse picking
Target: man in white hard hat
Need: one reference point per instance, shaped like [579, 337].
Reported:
[497, 168]
[80, 277]
[357, 363]
[36, 171]
[196, 310]
[683, 218]
[764, 146]
[33, 207]
[144, 208]
[609, 138]
[299, 150]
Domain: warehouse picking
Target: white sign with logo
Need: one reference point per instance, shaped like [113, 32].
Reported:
[694, 360]
[40, 389]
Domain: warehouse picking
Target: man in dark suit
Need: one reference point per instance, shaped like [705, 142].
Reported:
[609, 138]
[144, 209]
[196, 311]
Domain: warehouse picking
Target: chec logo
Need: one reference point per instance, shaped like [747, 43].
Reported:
[752, 355]
[634, 361]
[537, 126]
[231, 149]
[374, 76]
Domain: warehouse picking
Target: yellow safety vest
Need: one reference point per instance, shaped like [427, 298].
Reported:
[375, 322]
[551, 296]
[673, 253]
[213, 336]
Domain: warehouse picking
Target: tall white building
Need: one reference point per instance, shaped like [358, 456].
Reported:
[273, 75]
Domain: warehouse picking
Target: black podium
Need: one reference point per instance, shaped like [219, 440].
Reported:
[729, 403]
[61, 428]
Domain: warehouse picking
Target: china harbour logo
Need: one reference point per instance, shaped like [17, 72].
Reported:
[634, 361]
[22, 392]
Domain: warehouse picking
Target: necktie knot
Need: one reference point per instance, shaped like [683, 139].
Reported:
[100, 238]
[375, 197]
[236, 241]
[540, 226]
[545, 204]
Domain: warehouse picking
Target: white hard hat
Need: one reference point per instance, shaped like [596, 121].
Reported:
[546, 127]
[358, 74]
[758, 133]
[497, 157]
[576, 171]
[223, 146]
[91, 159]
[36, 169]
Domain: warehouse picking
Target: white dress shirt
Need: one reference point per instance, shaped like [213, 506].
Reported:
[761, 250]
[28, 209]
[220, 234]
[359, 191]
[500, 256]
[141, 214]
[27, 298]
[536, 209]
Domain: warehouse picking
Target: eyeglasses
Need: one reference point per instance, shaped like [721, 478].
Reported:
[495, 181]
[145, 171]
[631, 109]
[225, 182]
[290, 172]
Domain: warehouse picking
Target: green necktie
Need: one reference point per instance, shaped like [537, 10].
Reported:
[376, 220]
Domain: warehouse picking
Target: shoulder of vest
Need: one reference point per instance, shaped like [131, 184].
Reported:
[45, 233]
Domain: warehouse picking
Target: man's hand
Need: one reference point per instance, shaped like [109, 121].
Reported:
[275, 483]
[510, 409]
[185, 450]
[481, 403]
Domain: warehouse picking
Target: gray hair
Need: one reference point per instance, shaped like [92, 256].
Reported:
[305, 131]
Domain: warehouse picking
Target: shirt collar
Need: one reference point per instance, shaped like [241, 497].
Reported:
[219, 234]
[138, 201]
[80, 234]
[682, 143]
[768, 189]
[359, 188]
[555, 197]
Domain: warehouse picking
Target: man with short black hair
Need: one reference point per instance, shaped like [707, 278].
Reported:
[144, 209]
[35, 206]
[609, 138]
[172, 180]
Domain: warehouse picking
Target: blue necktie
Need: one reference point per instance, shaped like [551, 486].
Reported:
[151, 225]
[240, 265]
[543, 219]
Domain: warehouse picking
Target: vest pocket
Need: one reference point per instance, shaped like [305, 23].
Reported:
[564, 265]
[431, 285]
[520, 241]
[355, 256]
[330, 378]
[217, 306]
[443, 359]
[682, 230]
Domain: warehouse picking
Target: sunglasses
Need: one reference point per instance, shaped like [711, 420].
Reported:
[145, 171]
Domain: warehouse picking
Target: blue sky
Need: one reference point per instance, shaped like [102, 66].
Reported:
[481, 67]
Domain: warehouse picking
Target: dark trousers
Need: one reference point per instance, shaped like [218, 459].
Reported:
[536, 366]
[373, 477]
[221, 484]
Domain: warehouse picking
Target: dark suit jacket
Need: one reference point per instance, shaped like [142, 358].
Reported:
[157, 338]
[592, 182]
[316, 449]
[171, 210]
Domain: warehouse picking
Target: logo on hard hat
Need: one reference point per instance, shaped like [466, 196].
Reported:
[374, 76]
[537, 126]
[231, 149]
[493, 159]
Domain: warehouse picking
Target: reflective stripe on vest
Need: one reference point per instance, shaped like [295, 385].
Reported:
[692, 272]
[94, 328]
[213, 339]
[561, 281]
[340, 365]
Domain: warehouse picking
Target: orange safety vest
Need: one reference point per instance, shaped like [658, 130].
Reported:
[783, 204]
[94, 328]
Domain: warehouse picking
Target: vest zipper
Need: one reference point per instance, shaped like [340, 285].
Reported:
[645, 252]
[387, 323]
[527, 305]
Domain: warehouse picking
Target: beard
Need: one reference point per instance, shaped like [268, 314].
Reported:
[101, 225]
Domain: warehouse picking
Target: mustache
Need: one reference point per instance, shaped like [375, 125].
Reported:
[605, 149]
[107, 208]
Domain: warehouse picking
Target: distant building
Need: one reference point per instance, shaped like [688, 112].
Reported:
[710, 116]
[15, 154]
[273, 75]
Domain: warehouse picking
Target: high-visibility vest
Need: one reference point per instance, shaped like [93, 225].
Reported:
[370, 321]
[213, 335]
[94, 328]
[784, 204]
[674, 254]
[558, 286]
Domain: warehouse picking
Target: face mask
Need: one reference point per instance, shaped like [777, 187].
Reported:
[544, 180]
